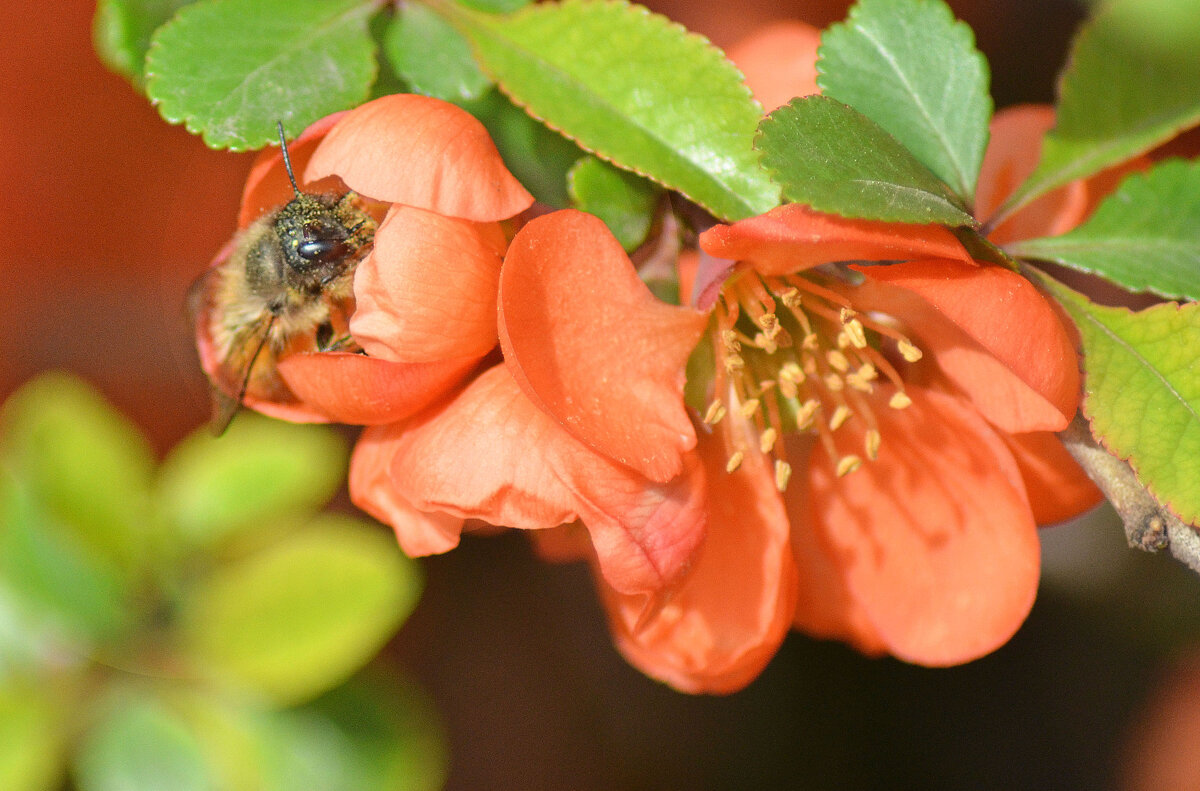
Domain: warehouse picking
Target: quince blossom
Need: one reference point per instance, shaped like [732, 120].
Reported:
[425, 295]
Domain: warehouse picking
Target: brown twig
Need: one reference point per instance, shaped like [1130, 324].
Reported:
[1149, 525]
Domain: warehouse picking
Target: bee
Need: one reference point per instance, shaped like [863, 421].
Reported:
[286, 287]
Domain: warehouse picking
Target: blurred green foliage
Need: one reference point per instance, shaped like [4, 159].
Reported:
[196, 624]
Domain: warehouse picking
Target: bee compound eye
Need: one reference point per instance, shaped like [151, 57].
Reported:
[322, 244]
[322, 250]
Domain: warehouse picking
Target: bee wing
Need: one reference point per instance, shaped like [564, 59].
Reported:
[223, 410]
[252, 336]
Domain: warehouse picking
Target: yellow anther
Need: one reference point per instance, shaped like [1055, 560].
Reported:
[716, 411]
[769, 323]
[871, 443]
[908, 351]
[734, 363]
[791, 371]
[899, 400]
[790, 298]
[748, 407]
[861, 379]
[767, 344]
[847, 465]
[729, 338]
[811, 342]
[840, 416]
[837, 361]
[806, 412]
[790, 376]
[735, 461]
[766, 440]
[834, 382]
[854, 331]
[783, 472]
[843, 340]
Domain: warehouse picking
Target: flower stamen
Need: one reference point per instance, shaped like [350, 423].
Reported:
[815, 384]
[847, 465]
[783, 473]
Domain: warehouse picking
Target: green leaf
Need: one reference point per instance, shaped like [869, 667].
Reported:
[387, 81]
[301, 616]
[229, 69]
[624, 200]
[258, 472]
[121, 31]
[910, 67]
[833, 158]
[1145, 236]
[361, 736]
[139, 744]
[31, 738]
[537, 156]
[1133, 81]
[1142, 392]
[432, 56]
[394, 727]
[634, 88]
[84, 463]
[496, 6]
[73, 591]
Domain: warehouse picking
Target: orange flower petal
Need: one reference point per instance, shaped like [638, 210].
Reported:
[991, 332]
[483, 455]
[1011, 156]
[1058, 488]
[794, 237]
[779, 61]
[935, 538]
[824, 606]
[421, 152]
[644, 533]
[724, 621]
[267, 185]
[361, 390]
[427, 291]
[291, 412]
[371, 489]
[590, 344]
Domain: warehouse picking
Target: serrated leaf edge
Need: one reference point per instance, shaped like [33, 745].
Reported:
[947, 199]
[967, 35]
[1085, 405]
[366, 7]
[666, 24]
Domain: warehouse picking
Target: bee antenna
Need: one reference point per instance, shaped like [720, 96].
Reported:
[287, 161]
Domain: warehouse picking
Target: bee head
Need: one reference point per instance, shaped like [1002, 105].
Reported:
[315, 239]
[314, 231]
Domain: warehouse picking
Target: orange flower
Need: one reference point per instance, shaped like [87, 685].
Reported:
[914, 400]
[493, 454]
[424, 297]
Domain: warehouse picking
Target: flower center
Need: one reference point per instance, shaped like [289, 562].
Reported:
[794, 356]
